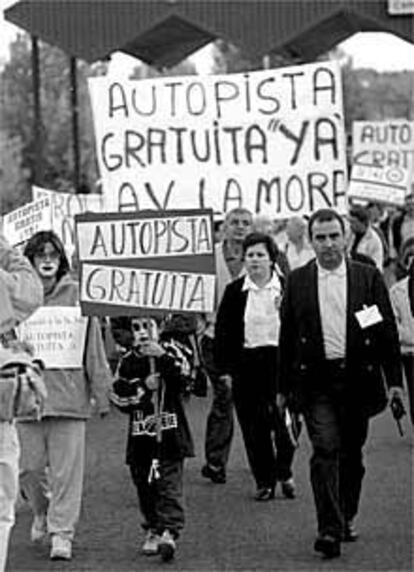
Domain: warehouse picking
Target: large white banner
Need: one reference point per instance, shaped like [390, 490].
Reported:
[271, 141]
[57, 334]
[64, 208]
[383, 143]
[19, 225]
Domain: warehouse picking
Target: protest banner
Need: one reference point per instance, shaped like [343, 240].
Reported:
[146, 262]
[22, 223]
[57, 334]
[383, 143]
[271, 141]
[64, 208]
[400, 7]
[387, 185]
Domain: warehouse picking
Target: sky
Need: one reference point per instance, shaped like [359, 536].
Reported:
[383, 52]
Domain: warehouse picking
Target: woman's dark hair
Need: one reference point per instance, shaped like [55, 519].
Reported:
[35, 246]
[260, 238]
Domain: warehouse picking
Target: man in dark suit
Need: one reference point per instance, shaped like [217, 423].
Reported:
[338, 341]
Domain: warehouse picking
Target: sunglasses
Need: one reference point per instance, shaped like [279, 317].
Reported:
[143, 328]
[138, 327]
[47, 255]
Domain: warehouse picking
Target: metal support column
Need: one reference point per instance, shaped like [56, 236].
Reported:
[75, 122]
[37, 168]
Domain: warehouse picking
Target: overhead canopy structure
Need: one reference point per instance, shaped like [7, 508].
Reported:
[164, 32]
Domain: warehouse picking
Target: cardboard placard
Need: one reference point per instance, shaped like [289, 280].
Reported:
[388, 143]
[400, 7]
[387, 185]
[22, 223]
[57, 334]
[148, 261]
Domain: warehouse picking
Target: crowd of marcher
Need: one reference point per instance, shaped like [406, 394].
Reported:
[312, 316]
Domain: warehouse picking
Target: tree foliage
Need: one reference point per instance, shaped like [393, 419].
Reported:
[228, 58]
[144, 71]
[373, 96]
[17, 114]
[368, 94]
[13, 177]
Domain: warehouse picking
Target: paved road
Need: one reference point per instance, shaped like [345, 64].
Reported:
[226, 530]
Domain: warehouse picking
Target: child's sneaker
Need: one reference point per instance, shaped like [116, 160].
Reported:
[167, 546]
[38, 531]
[151, 543]
[61, 548]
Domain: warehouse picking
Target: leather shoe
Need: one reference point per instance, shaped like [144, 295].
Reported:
[350, 532]
[264, 494]
[216, 475]
[329, 546]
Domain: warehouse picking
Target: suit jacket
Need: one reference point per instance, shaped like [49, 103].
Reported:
[229, 330]
[372, 354]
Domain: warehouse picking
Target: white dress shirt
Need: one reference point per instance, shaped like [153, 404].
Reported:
[261, 316]
[332, 294]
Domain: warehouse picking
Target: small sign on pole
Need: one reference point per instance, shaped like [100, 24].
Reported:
[400, 7]
[22, 223]
[380, 184]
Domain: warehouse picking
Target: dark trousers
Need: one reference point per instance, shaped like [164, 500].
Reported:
[220, 421]
[408, 364]
[268, 446]
[161, 501]
[337, 431]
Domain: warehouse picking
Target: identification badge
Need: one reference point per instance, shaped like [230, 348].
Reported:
[368, 316]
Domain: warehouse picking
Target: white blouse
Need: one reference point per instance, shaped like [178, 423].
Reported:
[261, 316]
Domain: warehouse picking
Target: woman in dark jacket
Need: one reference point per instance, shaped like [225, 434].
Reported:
[246, 346]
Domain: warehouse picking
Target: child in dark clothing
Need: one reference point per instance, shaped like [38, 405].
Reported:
[151, 380]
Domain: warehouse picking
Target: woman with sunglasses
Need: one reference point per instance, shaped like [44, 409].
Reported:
[58, 440]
